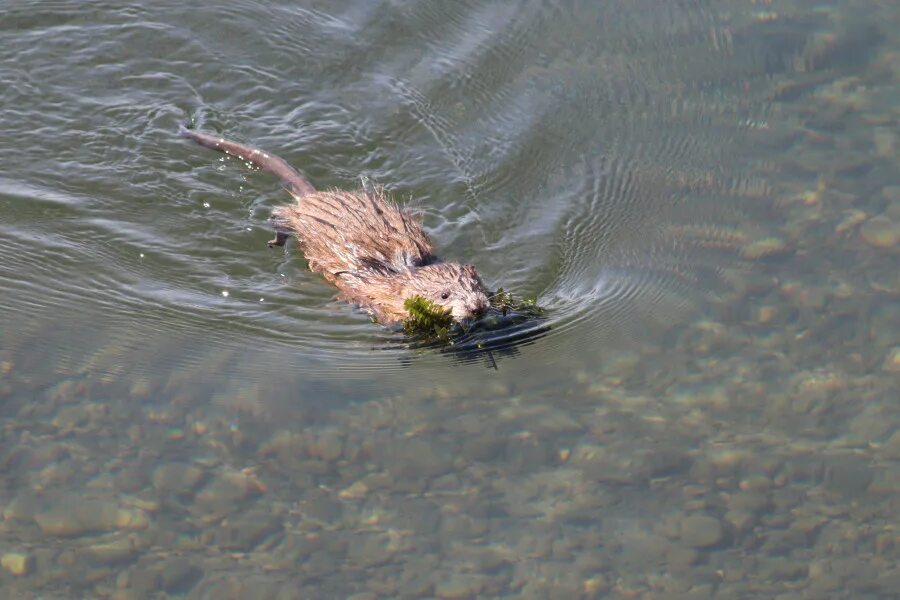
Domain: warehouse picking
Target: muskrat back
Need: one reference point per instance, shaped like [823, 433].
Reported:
[377, 254]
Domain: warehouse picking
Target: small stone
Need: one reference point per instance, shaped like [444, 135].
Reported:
[176, 478]
[727, 460]
[820, 382]
[749, 502]
[880, 232]
[20, 509]
[891, 447]
[892, 360]
[369, 551]
[356, 491]
[557, 422]
[483, 448]
[417, 458]
[225, 493]
[73, 516]
[806, 526]
[141, 389]
[118, 551]
[66, 390]
[327, 445]
[873, 423]
[245, 532]
[489, 561]
[785, 569]
[885, 543]
[460, 526]
[595, 585]
[756, 483]
[741, 521]
[700, 531]
[680, 557]
[825, 583]
[131, 518]
[764, 248]
[321, 506]
[528, 452]
[459, 587]
[71, 417]
[144, 583]
[851, 219]
[766, 314]
[177, 575]
[17, 563]
[886, 584]
[849, 475]
[665, 462]
[891, 193]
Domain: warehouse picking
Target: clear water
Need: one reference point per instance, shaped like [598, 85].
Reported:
[704, 196]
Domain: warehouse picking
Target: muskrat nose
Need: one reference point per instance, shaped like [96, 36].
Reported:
[479, 308]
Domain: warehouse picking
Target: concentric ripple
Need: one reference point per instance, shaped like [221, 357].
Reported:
[595, 155]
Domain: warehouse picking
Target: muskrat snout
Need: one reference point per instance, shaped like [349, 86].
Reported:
[480, 306]
[469, 313]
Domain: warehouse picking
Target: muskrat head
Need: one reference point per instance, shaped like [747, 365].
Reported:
[450, 285]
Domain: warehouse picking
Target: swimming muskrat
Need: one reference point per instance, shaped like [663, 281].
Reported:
[376, 254]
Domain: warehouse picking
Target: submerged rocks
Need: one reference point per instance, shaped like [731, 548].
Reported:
[881, 232]
[699, 531]
[891, 362]
[416, 458]
[176, 478]
[74, 515]
[246, 531]
[17, 563]
[225, 493]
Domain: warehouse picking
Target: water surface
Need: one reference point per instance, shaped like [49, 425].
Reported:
[703, 195]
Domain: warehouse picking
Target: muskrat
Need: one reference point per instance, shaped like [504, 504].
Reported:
[375, 253]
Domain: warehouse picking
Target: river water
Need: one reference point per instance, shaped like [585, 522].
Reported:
[704, 196]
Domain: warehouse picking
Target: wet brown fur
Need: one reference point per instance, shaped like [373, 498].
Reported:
[375, 253]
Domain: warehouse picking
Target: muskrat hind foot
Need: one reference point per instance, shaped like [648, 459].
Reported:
[279, 239]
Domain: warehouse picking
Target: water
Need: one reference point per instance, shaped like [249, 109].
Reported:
[703, 195]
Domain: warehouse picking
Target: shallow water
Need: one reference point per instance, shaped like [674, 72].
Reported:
[703, 195]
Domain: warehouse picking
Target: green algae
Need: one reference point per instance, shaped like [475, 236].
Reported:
[505, 302]
[427, 319]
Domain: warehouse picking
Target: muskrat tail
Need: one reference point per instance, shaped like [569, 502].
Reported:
[296, 183]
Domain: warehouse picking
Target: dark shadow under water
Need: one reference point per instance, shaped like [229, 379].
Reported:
[491, 338]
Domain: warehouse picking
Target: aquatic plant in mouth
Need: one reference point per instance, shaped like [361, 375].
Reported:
[427, 319]
[431, 323]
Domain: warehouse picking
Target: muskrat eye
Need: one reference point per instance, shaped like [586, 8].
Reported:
[445, 295]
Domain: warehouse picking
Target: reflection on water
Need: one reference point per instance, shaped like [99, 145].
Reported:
[704, 196]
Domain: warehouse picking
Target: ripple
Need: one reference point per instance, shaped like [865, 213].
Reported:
[596, 155]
